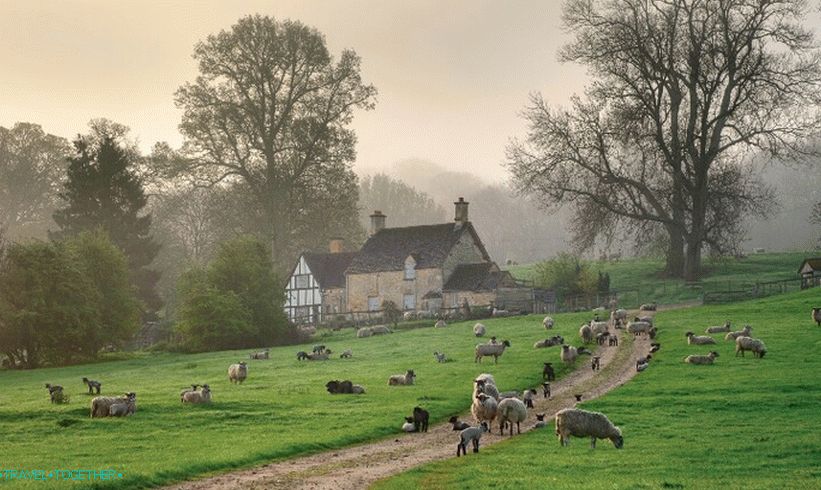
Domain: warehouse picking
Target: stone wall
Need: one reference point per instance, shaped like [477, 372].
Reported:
[390, 286]
[333, 301]
[466, 251]
[474, 298]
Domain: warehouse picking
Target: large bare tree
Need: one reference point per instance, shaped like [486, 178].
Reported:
[270, 109]
[683, 92]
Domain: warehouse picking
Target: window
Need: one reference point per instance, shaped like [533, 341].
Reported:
[373, 303]
[301, 281]
[409, 301]
[410, 269]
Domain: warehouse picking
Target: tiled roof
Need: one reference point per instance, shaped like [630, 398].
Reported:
[329, 269]
[478, 277]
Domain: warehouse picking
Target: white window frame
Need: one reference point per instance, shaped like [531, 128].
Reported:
[409, 305]
[373, 303]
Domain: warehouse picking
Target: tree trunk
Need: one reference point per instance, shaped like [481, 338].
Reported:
[675, 253]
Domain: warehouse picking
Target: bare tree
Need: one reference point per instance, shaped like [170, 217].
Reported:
[270, 109]
[683, 91]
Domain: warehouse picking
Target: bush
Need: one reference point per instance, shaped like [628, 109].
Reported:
[568, 275]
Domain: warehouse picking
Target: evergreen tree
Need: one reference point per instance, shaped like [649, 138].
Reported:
[104, 191]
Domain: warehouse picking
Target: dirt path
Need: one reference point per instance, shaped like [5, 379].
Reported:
[359, 466]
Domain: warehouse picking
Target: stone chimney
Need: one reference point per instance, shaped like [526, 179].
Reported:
[461, 212]
[336, 245]
[377, 222]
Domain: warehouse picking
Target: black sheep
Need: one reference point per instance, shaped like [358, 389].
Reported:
[92, 385]
[420, 419]
[548, 373]
[457, 424]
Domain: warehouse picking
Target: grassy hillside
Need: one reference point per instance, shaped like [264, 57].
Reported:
[640, 279]
[741, 423]
[282, 410]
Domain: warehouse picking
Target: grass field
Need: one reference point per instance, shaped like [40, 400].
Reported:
[282, 410]
[641, 282]
[741, 423]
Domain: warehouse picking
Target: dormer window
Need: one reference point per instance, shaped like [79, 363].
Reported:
[410, 268]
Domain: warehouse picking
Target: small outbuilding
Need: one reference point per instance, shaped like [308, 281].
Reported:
[810, 271]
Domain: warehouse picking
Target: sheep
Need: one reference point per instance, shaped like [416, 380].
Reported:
[648, 319]
[654, 347]
[364, 332]
[201, 396]
[318, 349]
[55, 393]
[408, 426]
[645, 359]
[693, 339]
[100, 405]
[479, 330]
[548, 373]
[721, 329]
[92, 385]
[539, 421]
[527, 397]
[420, 419]
[487, 378]
[602, 337]
[301, 355]
[597, 327]
[186, 390]
[494, 350]
[440, 324]
[550, 342]
[457, 424]
[440, 356]
[641, 366]
[582, 423]
[648, 307]
[570, 353]
[548, 323]
[380, 329]
[487, 387]
[816, 316]
[347, 353]
[402, 379]
[586, 333]
[259, 355]
[237, 372]
[652, 332]
[750, 344]
[511, 410]
[618, 316]
[124, 409]
[595, 364]
[470, 435]
[319, 356]
[613, 341]
[546, 390]
[637, 328]
[744, 332]
[509, 394]
[484, 408]
[697, 359]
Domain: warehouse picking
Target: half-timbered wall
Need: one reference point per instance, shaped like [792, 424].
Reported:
[303, 298]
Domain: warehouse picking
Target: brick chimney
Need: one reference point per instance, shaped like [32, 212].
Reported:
[461, 212]
[377, 222]
[336, 245]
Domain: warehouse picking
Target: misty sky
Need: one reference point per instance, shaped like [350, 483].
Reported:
[452, 76]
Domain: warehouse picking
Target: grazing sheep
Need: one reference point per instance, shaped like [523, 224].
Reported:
[582, 423]
[648, 307]
[723, 328]
[527, 397]
[440, 357]
[494, 350]
[100, 405]
[343, 387]
[697, 359]
[201, 396]
[55, 393]
[546, 390]
[129, 407]
[613, 341]
[470, 435]
[92, 385]
[744, 332]
[420, 419]
[259, 355]
[457, 424]
[816, 316]
[319, 356]
[641, 366]
[555, 340]
[644, 360]
[301, 355]
[440, 324]
[364, 332]
[586, 333]
[548, 323]
[654, 347]
[750, 344]
[595, 364]
[484, 408]
[237, 372]
[511, 410]
[693, 339]
[619, 315]
[408, 426]
[348, 353]
[487, 387]
[570, 353]
[539, 421]
[479, 330]
[548, 373]
[380, 329]
[597, 327]
[402, 379]
[638, 328]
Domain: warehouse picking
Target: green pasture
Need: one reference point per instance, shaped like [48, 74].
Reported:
[281, 411]
[741, 423]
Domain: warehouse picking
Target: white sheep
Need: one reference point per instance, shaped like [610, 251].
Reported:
[129, 407]
[494, 350]
[479, 330]
[598, 327]
[548, 323]
[364, 332]
[319, 356]
[744, 332]
[693, 339]
[486, 386]
[618, 315]
[511, 410]
[698, 359]
[409, 426]
[581, 423]
[721, 329]
[637, 328]
[402, 379]
[440, 324]
[470, 435]
[569, 354]
[259, 355]
[380, 329]
[484, 408]
[200, 396]
[101, 405]
[237, 372]
[586, 333]
[756, 346]
[487, 378]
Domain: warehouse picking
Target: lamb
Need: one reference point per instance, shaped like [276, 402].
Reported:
[343, 387]
[420, 419]
[440, 356]
[237, 372]
[479, 330]
[697, 359]
[129, 407]
[511, 410]
[613, 341]
[548, 373]
[539, 421]
[92, 385]
[55, 393]
[101, 405]
[641, 366]
[548, 323]
[582, 423]
[201, 396]
[744, 332]
[816, 316]
[488, 387]
[750, 344]
[402, 379]
[546, 390]
[301, 355]
[586, 333]
[654, 347]
[652, 332]
[470, 435]
[596, 363]
[527, 397]
[259, 355]
[484, 408]
[347, 353]
[602, 337]
[494, 350]
[457, 424]
[648, 307]
[693, 339]
[440, 324]
[723, 328]
[318, 349]
[408, 425]
[550, 342]
[637, 328]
